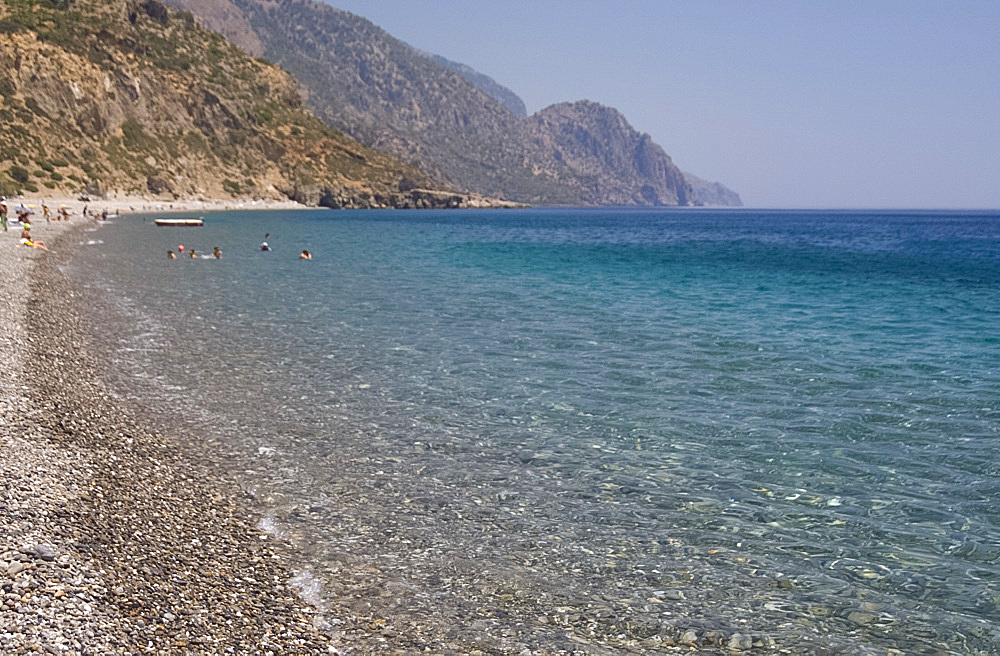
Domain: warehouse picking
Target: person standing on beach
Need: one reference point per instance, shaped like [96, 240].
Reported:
[3, 213]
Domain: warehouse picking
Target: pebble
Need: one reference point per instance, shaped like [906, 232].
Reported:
[739, 642]
[87, 564]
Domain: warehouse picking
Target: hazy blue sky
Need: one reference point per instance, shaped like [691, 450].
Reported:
[793, 104]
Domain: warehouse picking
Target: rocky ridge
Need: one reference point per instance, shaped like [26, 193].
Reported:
[382, 92]
[591, 140]
[130, 97]
[704, 192]
[484, 83]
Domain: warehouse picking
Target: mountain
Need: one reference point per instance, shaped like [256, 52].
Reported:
[484, 83]
[128, 96]
[704, 192]
[379, 90]
[598, 145]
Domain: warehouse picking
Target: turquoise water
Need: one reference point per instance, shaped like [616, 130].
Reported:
[585, 429]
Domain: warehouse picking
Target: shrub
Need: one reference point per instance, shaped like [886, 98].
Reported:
[8, 187]
[194, 141]
[264, 115]
[29, 186]
[134, 136]
[20, 174]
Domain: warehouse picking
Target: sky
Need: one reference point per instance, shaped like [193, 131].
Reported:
[791, 103]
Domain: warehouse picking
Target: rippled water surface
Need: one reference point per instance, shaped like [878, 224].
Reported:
[594, 429]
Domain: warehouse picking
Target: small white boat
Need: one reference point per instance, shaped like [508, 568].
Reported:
[189, 221]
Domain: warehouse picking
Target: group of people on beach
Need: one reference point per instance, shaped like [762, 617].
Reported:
[24, 219]
[25, 212]
[217, 252]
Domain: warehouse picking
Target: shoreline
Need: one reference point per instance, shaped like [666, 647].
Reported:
[137, 205]
[119, 539]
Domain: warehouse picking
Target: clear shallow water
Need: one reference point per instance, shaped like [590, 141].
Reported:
[559, 429]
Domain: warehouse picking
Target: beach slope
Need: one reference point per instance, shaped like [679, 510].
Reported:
[116, 538]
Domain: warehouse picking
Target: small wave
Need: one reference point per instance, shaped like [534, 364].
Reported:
[309, 588]
[270, 527]
[92, 242]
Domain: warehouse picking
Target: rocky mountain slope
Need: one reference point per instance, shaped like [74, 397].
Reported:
[596, 142]
[130, 97]
[379, 90]
[704, 192]
[484, 83]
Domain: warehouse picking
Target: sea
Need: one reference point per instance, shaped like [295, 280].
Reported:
[589, 431]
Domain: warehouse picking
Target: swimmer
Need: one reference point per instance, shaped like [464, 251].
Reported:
[193, 254]
[305, 255]
[170, 255]
[217, 252]
[180, 248]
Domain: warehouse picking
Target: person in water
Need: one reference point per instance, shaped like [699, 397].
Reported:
[193, 254]
[217, 252]
[305, 255]
[180, 248]
[170, 255]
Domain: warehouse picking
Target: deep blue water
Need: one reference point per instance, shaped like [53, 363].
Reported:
[558, 429]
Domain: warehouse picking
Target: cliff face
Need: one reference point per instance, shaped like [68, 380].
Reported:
[385, 94]
[622, 166]
[712, 193]
[128, 96]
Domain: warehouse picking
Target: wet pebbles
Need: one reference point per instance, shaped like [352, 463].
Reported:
[116, 540]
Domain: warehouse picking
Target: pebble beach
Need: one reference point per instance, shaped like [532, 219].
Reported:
[117, 537]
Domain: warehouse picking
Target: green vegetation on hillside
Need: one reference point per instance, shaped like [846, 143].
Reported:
[132, 95]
